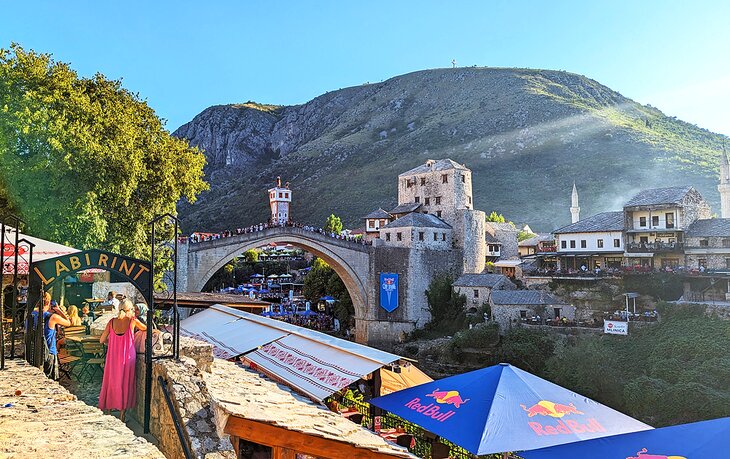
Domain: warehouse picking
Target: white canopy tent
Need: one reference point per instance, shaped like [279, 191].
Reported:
[42, 250]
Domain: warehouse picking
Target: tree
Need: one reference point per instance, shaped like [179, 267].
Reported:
[446, 306]
[84, 161]
[323, 280]
[495, 218]
[525, 235]
[251, 256]
[333, 224]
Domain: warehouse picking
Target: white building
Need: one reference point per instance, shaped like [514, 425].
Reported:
[373, 222]
[417, 230]
[279, 201]
[594, 242]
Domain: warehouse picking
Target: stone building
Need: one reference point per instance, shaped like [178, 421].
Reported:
[419, 231]
[279, 201]
[509, 307]
[373, 222]
[707, 244]
[655, 222]
[478, 287]
[594, 242]
[505, 234]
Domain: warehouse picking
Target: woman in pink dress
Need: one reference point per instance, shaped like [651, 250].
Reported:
[118, 386]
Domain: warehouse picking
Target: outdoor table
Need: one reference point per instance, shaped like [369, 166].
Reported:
[82, 338]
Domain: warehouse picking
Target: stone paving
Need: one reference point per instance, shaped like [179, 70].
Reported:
[39, 417]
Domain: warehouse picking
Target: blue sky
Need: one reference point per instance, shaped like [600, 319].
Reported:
[184, 56]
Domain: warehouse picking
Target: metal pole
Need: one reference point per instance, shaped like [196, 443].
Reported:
[14, 307]
[28, 304]
[148, 343]
[176, 325]
[39, 323]
[2, 296]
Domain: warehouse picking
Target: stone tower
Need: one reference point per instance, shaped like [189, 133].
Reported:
[574, 209]
[724, 186]
[279, 200]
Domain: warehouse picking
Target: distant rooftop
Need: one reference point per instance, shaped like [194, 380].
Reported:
[503, 226]
[606, 221]
[380, 213]
[405, 208]
[713, 227]
[542, 237]
[658, 196]
[481, 280]
[418, 220]
[524, 297]
[435, 165]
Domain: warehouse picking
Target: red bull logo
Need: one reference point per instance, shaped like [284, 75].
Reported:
[557, 411]
[643, 455]
[433, 410]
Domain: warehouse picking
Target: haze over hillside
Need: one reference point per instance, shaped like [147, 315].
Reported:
[526, 134]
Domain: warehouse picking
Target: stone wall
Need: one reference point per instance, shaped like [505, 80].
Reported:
[469, 231]
[101, 289]
[505, 233]
[508, 316]
[186, 383]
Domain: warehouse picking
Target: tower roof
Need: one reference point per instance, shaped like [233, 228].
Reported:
[435, 165]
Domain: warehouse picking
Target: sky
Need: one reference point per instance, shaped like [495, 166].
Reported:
[185, 56]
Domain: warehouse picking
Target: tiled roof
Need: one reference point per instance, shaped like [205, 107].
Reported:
[435, 165]
[405, 208]
[236, 391]
[418, 220]
[656, 196]
[480, 280]
[526, 297]
[380, 213]
[606, 221]
[709, 228]
[536, 239]
[503, 226]
[491, 239]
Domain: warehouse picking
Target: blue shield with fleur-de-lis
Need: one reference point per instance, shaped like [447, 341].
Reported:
[389, 291]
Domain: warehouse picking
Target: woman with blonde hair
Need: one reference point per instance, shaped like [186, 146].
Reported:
[118, 386]
[73, 316]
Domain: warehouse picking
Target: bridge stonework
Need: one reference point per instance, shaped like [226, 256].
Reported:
[359, 266]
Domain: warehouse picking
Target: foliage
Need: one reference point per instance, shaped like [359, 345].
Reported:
[525, 235]
[660, 286]
[495, 218]
[323, 280]
[527, 349]
[251, 256]
[446, 306]
[483, 336]
[672, 372]
[333, 224]
[84, 161]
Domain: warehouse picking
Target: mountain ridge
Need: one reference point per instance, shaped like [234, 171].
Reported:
[526, 134]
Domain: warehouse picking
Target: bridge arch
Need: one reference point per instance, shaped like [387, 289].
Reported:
[348, 259]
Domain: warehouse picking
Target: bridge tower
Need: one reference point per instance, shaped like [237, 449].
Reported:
[279, 201]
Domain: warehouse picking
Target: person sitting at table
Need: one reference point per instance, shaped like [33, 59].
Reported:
[52, 316]
[73, 316]
[118, 385]
[87, 316]
[111, 300]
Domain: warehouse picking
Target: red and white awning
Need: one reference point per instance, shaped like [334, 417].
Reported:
[42, 250]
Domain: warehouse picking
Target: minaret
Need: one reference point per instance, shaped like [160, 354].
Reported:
[279, 200]
[724, 186]
[574, 209]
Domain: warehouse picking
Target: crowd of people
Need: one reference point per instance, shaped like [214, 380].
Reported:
[202, 237]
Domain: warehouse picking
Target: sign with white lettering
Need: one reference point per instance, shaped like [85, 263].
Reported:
[615, 327]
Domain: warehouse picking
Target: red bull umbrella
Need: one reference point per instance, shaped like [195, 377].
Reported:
[699, 440]
[502, 408]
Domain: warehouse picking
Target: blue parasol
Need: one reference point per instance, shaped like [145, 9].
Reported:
[706, 440]
[502, 408]
[327, 298]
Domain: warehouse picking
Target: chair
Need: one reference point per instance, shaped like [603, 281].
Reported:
[440, 451]
[67, 362]
[74, 331]
[92, 359]
[404, 440]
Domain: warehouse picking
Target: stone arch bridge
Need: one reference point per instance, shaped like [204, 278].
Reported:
[357, 265]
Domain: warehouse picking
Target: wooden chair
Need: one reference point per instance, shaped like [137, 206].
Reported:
[92, 359]
[75, 331]
[67, 362]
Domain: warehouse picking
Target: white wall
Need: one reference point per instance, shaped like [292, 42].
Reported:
[591, 242]
[636, 219]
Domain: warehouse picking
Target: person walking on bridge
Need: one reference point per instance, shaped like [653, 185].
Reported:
[118, 385]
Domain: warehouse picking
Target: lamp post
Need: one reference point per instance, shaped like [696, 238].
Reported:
[16, 224]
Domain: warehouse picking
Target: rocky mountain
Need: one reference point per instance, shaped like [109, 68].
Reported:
[526, 134]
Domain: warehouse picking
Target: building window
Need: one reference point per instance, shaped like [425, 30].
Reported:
[408, 183]
[420, 235]
[418, 199]
[427, 201]
[617, 242]
[642, 221]
[468, 199]
[423, 181]
[444, 178]
[572, 244]
[371, 223]
[438, 200]
[704, 243]
[523, 314]
[399, 236]
[727, 263]
[476, 293]
[702, 262]
[583, 244]
[726, 242]
[438, 213]
[443, 236]
[563, 244]
[669, 216]
[463, 178]
[435, 236]
[280, 195]
[655, 220]
[600, 243]
[387, 236]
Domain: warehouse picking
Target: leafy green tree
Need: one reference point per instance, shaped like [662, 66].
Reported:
[495, 217]
[323, 280]
[84, 161]
[251, 256]
[525, 235]
[446, 306]
[333, 224]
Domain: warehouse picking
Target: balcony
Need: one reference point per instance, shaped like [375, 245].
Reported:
[654, 247]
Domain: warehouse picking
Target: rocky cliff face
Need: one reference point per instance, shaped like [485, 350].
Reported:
[526, 134]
